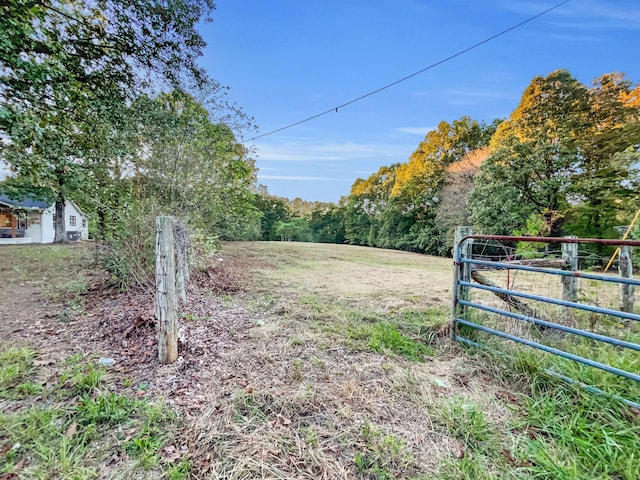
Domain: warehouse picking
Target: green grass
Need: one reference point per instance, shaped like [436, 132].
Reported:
[528, 360]
[15, 365]
[40, 264]
[65, 431]
[381, 456]
[79, 377]
[562, 431]
[466, 421]
[385, 337]
[469, 467]
[47, 253]
[526, 424]
[107, 408]
[409, 334]
[575, 435]
[559, 431]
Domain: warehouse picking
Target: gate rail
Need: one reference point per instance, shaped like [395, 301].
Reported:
[462, 302]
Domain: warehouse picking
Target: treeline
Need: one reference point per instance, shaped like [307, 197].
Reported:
[103, 103]
[565, 162]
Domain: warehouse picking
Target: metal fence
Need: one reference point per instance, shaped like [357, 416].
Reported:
[554, 306]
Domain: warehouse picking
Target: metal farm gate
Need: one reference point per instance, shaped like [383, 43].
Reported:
[555, 300]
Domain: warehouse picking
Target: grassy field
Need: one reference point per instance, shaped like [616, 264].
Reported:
[351, 375]
[345, 371]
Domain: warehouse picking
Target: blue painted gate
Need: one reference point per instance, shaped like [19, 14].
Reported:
[547, 309]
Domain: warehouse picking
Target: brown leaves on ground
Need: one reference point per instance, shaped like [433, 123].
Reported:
[101, 321]
[223, 275]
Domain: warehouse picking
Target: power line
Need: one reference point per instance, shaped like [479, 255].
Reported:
[433, 65]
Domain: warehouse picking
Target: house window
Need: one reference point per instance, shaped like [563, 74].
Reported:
[84, 223]
[72, 220]
[22, 220]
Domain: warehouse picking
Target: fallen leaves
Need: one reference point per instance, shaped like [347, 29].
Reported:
[71, 431]
[171, 453]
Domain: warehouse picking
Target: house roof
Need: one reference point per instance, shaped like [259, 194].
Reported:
[28, 203]
[78, 209]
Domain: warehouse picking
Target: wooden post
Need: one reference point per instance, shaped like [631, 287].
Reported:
[14, 225]
[570, 284]
[182, 267]
[166, 305]
[625, 268]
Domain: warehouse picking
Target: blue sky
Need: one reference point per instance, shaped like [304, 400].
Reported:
[286, 60]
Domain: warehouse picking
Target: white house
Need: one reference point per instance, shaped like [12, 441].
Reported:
[33, 221]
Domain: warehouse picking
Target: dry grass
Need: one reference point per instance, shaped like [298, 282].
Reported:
[304, 361]
[357, 274]
[305, 397]
[589, 292]
[295, 411]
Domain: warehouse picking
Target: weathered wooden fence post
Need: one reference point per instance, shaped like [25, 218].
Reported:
[570, 284]
[182, 261]
[166, 305]
[625, 268]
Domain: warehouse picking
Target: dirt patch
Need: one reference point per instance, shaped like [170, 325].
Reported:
[61, 307]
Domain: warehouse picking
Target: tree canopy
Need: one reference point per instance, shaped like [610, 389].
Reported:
[69, 68]
[103, 102]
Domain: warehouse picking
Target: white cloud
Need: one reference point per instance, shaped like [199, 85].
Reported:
[479, 93]
[476, 96]
[467, 96]
[414, 130]
[586, 14]
[302, 151]
[575, 38]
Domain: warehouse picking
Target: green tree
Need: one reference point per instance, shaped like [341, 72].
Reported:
[327, 224]
[358, 222]
[64, 63]
[417, 191]
[195, 168]
[396, 207]
[296, 230]
[272, 210]
[533, 155]
[365, 205]
[605, 185]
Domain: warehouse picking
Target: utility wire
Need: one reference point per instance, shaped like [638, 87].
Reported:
[433, 65]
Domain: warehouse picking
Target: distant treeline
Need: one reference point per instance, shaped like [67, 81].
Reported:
[565, 162]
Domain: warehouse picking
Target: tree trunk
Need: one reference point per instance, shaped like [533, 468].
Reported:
[515, 302]
[61, 229]
[102, 218]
